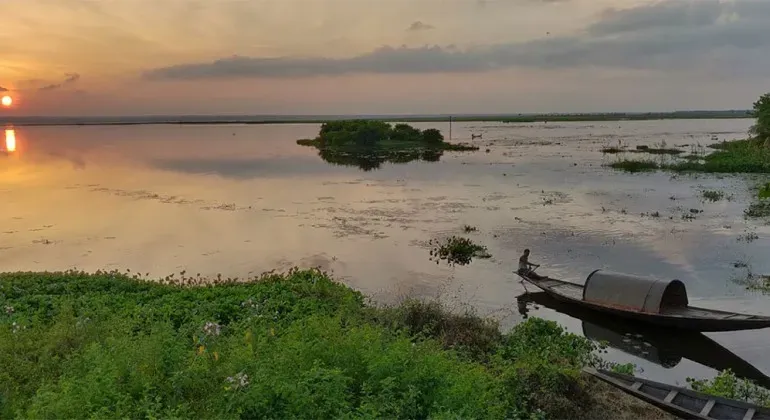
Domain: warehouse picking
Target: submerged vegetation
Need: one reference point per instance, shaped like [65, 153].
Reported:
[715, 195]
[295, 345]
[635, 165]
[456, 250]
[369, 143]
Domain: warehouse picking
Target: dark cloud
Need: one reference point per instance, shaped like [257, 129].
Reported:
[657, 15]
[2, 89]
[665, 36]
[420, 26]
[69, 78]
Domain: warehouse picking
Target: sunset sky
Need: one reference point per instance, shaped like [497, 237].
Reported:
[133, 57]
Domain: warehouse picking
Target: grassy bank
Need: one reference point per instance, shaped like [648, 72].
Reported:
[297, 345]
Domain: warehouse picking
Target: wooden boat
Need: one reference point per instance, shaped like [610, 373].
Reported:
[662, 346]
[682, 402]
[659, 302]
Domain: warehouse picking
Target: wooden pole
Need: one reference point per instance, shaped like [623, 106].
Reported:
[450, 128]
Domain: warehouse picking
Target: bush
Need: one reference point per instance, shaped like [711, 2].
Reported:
[297, 345]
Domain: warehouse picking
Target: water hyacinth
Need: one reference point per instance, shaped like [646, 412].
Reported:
[212, 328]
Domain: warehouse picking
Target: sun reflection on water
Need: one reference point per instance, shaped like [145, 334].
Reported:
[10, 140]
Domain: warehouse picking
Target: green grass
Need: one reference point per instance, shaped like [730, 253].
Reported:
[740, 156]
[295, 345]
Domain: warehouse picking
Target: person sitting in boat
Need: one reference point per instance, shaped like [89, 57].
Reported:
[526, 267]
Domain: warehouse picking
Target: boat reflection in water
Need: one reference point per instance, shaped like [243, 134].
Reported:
[10, 140]
[657, 345]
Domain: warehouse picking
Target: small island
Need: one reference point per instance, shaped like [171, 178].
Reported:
[369, 143]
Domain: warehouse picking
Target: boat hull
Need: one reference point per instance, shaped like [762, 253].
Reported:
[681, 402]
[714, 322]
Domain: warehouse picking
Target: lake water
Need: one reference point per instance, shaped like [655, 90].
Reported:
[243, 199]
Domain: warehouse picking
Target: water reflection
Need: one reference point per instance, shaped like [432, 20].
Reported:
[373, 160]
[660, 346]
[10, 140]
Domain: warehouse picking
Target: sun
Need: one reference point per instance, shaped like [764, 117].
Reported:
[6, 101]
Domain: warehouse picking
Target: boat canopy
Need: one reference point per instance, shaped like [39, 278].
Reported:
[629, 292]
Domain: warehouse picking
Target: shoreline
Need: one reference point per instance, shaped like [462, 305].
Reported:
[27, 121]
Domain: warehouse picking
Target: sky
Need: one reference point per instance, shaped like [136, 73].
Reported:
[143, 57]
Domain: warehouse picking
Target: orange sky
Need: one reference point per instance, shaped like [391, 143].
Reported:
[73, 57]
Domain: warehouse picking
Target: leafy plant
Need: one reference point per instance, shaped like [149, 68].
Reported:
[456, 250]
[727, 385]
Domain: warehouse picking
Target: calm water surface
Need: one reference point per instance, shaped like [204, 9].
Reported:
[241, 200]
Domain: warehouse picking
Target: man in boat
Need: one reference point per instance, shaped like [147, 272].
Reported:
[526, 267]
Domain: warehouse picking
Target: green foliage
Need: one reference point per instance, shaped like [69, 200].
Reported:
[740, 156]
[624, 369]
[764, 191]
[405, 132]
[456, 250]
[369, 143]
[762, 113]
[295, 345]
[758, 209]
[635, 165]
[727, 385]
[432, 136]
[713, 195]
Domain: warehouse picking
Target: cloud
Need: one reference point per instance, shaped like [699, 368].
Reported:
[2, 89]
[70, 78]
[420, 26]
[665, 36]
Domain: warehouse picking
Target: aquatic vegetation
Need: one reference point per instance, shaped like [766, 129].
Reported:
[635, 165]
[727, 385]
[294, 345]
[738, 156]
[764, 191]
[369, 143]
[643, 149]
[758, 209]
[748, 237]
[469, 229]
[713, 195]
[456, 250]
[753, 281]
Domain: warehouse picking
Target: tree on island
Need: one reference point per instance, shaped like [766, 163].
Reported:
[368, 134]
[432, 136]
[762, 113]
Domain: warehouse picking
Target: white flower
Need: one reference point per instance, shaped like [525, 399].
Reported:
[9, 310]
[212, 328]
[240, 380]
